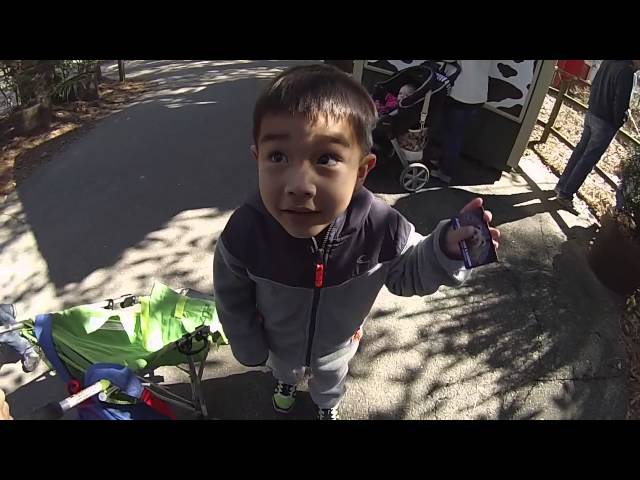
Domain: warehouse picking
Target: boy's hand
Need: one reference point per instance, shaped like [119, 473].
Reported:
[453, 237]
[5, 414]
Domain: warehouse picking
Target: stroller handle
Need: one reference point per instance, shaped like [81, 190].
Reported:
[55, 410]
[10, 328]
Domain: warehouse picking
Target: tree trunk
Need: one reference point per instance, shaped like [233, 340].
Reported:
[98, 72]
[121, 70]
[34, 80]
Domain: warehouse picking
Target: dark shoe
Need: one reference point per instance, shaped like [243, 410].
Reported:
[328, 414]
[566, 202]
[30, 360]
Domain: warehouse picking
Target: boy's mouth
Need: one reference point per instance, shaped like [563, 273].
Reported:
[299, 211]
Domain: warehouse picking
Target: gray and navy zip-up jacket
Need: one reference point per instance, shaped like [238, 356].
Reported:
[303, 300]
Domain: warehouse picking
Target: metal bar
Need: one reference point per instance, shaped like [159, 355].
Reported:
[399, 152]
[76, 399]
[196, 388]
[373, 68]
[633, 122]
[56, 410]
[583, 107]
[179, 403]
[11, 328]
[358, 66]
[564, 85]
[201, 369]
[166, 394]
[192, 372]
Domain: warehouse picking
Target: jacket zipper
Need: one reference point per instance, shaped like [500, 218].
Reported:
[318, 281]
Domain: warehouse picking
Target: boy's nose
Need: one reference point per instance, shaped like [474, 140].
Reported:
[300, 184]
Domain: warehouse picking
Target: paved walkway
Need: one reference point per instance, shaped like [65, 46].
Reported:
[145, 194]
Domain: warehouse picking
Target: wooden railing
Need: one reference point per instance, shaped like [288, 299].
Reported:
[566, 81]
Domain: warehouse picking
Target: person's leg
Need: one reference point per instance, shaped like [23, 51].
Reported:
[575, 157]
[601, 135]
[455, 122]
[30, 356]
[288, 377]
[12, 339]
[328, 378]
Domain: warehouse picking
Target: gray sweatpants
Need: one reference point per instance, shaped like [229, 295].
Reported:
[13, 339]
[328, 374]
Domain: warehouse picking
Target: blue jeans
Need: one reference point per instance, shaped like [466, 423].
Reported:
[12, 339]
[456, 119]
[596, 137]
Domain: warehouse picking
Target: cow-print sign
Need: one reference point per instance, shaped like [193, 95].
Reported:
[509, 81]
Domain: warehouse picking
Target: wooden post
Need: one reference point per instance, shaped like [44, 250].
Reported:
[564, 86]
[121, 70]
[344, 65]
[98, 72]
[633, 122]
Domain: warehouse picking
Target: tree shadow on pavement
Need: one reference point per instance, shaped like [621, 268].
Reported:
[534, 336]
[509, 344]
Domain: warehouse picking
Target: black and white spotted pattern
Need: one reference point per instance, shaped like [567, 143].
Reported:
[509, 82]
[509, 85]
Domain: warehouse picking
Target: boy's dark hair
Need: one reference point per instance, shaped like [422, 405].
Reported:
[316, 90]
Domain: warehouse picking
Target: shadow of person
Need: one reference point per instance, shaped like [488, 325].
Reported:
[244, 396]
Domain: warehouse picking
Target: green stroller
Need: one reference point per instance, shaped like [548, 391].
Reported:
[107, 353]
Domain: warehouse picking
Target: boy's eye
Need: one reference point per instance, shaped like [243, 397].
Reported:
[278, 157]
[328, 160]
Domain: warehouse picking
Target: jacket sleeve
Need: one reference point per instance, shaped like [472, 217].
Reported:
[235, 296]
[623, 88]
[422, 267]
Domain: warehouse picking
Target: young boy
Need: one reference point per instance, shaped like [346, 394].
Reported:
[298, 267]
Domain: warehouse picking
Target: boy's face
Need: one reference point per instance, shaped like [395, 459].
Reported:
[308, 172]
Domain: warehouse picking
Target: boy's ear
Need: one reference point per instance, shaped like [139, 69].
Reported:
[254, 151]
[367, 164]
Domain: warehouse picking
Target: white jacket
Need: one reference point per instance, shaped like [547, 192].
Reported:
[472, 84]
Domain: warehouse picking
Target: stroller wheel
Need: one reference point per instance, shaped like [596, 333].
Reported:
[414, 176]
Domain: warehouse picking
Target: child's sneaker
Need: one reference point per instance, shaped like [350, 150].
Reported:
[328, 414]
[284, 397]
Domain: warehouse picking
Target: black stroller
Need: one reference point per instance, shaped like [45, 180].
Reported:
[433, 81]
